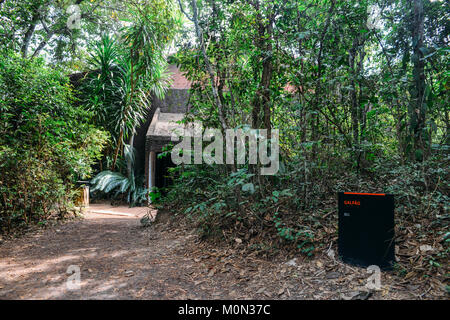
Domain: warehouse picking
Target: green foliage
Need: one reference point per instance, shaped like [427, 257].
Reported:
[358, 108]
[339, 91]
[30, 190]
[106, 90]
[155, 196]
[39, 27]
[46, 143]
[209, 198]
[109, 181]
[127, 69]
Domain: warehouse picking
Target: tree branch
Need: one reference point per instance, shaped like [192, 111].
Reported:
[184, 12]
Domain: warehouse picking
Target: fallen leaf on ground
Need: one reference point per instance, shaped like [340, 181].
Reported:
[261, 290]
[211, 272]
[292, 262]
[425, 248]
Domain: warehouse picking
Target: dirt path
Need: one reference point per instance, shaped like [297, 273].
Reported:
[118, 259]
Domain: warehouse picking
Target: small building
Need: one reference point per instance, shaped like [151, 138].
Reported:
[163, 118]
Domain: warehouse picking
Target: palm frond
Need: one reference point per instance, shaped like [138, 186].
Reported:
[106, 181]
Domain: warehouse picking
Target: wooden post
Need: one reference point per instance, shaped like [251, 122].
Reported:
[83, 197]
[86, 196]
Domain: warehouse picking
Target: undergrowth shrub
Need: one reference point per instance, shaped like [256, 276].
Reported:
[298, 211]
[46, 143]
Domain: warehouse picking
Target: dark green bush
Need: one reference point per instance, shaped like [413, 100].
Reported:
[294, 209]
[46, 143]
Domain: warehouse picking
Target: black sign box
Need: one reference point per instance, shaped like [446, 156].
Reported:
[366, 229]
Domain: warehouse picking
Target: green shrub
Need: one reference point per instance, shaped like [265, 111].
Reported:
[46, 143]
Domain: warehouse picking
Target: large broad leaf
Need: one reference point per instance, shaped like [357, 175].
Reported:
[106, 181]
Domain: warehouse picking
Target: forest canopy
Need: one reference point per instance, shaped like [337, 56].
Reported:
[359, 91]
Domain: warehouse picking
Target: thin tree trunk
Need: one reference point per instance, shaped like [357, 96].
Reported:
[130, 100]
[265, 80]
[116, 152]
[353, 94]
[315, 117]
[417, 110]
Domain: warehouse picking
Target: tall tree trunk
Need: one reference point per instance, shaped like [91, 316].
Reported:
[318, 90]
[357, 113]
[265, 80]
[262, 95]
[353, 94]
[417, 108]
[129, 101]
[116, 152]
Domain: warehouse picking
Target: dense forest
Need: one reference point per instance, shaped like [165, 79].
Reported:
[357, 89]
